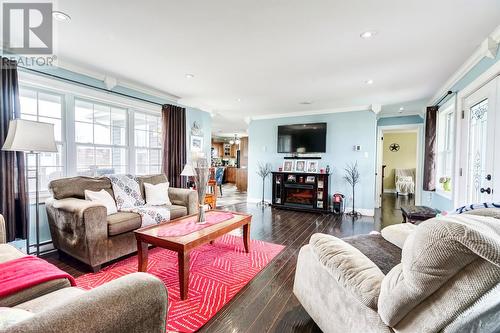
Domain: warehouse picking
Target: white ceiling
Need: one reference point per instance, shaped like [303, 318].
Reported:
[266, 56]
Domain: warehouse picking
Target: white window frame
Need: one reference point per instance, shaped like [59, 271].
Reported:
[132, 133]
[446, 156]
[126, 146]
[44, 194]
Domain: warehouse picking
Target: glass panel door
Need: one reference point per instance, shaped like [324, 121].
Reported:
[480, 116]
[478, 154]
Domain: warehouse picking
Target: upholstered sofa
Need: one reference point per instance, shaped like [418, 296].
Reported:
[134, 303]
[446, 278]
[82, 228]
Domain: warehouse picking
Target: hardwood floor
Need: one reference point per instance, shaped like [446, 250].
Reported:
[267, 303]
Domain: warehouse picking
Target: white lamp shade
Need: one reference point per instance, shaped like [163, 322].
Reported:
[30, 136]
[188, 171]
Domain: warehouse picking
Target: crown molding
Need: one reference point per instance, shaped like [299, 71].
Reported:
[312, 112]
[404, 114]
[488, 48]
[118, 81]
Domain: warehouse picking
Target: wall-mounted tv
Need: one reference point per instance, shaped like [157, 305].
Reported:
[302, 138]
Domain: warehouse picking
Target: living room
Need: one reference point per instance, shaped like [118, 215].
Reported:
[366, 134]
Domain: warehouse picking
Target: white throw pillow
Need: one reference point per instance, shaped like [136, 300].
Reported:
[104, 198]
[157, 195]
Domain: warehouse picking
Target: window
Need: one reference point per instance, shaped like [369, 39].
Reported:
[44, 107]
[147, 136]
[105, 135]
[101, 138]
[445, 147]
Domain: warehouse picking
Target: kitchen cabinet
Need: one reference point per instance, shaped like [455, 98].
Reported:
[218, 149]
[242, 179]
[230, 175]
[233, 150]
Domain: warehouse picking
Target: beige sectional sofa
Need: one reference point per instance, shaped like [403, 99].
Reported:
[82, 229]
[134, 303]
[446, 280]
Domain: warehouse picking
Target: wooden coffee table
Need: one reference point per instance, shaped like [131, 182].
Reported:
[184, 244]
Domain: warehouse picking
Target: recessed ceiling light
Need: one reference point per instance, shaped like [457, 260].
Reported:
[370, 81]
[189, 76]
[401, 109]
[368, 34]
[60, 16]
[238, 100]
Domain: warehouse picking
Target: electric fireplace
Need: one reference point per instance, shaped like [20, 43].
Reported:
[301, 191]
[299, 195]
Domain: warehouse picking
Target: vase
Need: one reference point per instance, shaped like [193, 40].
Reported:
[202, 171]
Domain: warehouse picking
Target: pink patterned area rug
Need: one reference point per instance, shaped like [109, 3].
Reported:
[217, 273]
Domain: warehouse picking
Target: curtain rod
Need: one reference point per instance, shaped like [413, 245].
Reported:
[448, 93]
[90, 86]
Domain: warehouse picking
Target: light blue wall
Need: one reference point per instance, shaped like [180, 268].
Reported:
[403, 120]
[205, 121]
[344, 130]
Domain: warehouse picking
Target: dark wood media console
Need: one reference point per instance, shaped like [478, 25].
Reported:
[301, 191]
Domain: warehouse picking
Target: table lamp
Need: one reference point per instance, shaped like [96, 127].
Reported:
[189, 172]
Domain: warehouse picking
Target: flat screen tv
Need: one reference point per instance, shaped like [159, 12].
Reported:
[302, 138]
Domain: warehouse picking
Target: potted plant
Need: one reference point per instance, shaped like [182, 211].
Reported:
[446, 181]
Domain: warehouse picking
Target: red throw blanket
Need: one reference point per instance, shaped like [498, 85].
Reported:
[26, 272]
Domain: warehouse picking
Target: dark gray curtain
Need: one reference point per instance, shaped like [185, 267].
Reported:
[13, 196]
[174, 143]
[430, 149]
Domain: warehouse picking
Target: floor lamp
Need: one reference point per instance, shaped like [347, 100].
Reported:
[34, 138]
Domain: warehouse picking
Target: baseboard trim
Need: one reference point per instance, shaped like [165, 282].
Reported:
[366, 212]
[362, 211]
[255, 200]
[390, 190]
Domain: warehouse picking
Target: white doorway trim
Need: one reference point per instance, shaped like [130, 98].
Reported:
[417, 128]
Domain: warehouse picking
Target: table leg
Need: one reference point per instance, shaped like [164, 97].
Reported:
[246, 237]
[184, 274]
[142, 254]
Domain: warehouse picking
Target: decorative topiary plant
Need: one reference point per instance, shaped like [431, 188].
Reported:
[264, 170]
[352, 177]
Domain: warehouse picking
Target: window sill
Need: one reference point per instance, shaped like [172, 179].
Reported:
[444, 194]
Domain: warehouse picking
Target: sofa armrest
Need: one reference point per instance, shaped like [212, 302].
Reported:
[3, 232]
[73, 205]
[133, 303]
[398, 233]
[184, 197]
[79, 227]
[357, 274]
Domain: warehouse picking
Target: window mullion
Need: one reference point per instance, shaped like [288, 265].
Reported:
[71, 156]
[131, 141]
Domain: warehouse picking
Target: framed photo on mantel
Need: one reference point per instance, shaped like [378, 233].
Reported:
[288, 166]
[300, 166]
[312, 166]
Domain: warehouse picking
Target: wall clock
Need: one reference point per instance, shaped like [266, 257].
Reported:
[394, 147]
